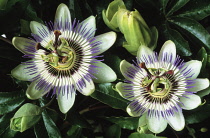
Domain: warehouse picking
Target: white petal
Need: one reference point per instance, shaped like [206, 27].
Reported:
[200, 84]
[144, 51]
[131, 110]
[194, 66]
[33, 93]
[156, 125]
[124, 67]
[120, 87]
[21, 73]
[169, 48]
[90, 24]
[62, 15]
[105, 73]
[65, 101]
[191, 102]
[22, 44]
[176, 121]
[88, 89]
[39, 29]
[106, 40]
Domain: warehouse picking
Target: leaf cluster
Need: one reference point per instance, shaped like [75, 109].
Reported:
[103, 114]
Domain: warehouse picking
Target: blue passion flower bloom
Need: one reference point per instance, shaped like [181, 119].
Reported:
[64, 58]
[160, 86]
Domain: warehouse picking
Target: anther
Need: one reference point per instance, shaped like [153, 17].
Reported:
[64, 59]
[142, 65]
[57, 33]
[170, 72]
[38, 46]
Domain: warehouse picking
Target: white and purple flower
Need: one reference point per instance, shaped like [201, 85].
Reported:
[160, 86]
[63, 57]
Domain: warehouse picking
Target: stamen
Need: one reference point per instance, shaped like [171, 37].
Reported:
[38, 46]
[142, 65]
[170, 72]
[64, 59]
[57, 33]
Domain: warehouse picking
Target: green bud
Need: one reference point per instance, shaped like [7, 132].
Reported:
[203, 129]
[110, 15]
[136, 31]
[130, 27]
[27, 116]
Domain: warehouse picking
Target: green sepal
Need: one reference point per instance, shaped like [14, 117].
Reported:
[27, 116]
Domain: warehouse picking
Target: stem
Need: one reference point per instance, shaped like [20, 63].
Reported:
[191, 131]
[48, 104]
[175, 133]
[5, 40]
[92, 108]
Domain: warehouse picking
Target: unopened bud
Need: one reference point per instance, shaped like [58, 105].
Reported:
[110, 15]
[27, 116]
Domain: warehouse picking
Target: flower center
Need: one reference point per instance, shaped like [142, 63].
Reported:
[59, 54]
[157, 83]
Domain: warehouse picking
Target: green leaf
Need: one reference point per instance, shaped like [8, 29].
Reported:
[40, 130]
[196, 9]
[198, 115]
[194, 30]
[75, 132]
[182, 45]
[30, 14]
[163, 4]
[77, 119]
[130, 123]
[15, 9]
[9, 101]
[87, 8]
[138, 135]
[114, 62]
[105, 93]
[9, 133]
[25, 27]
[52, 130]
[204, 92]
[75, 9]
[113, 131]
[202, 56]
[3, 4]
[179, 4]
[4, 122]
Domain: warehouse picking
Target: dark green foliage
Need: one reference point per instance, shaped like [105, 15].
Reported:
[185, 22]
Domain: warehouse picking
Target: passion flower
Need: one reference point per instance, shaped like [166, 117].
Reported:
[159, 87]
[63, 57]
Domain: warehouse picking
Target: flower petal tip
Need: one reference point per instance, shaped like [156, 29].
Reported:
[105, 74]
[65, 101]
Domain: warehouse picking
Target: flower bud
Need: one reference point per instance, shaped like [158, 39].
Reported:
[136, 31]
[110, 15]
[27, 116]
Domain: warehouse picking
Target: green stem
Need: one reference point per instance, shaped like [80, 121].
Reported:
[5, 40]
[191, 131]
[92, 108]
[48, 104]
[175, 133]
